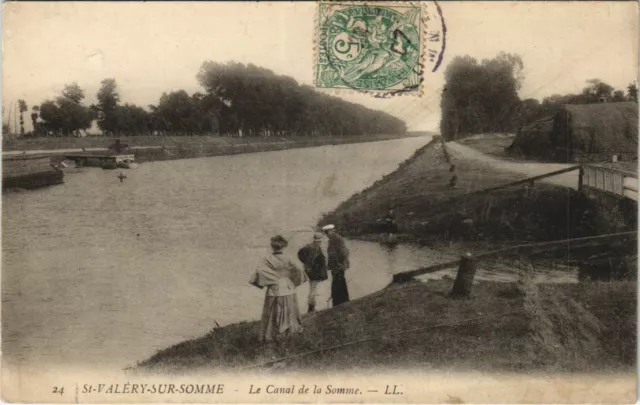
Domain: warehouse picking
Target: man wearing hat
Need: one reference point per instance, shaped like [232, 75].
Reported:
[338, 263]
[315, 265]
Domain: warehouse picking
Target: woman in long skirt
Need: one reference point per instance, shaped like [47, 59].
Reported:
[280, 314]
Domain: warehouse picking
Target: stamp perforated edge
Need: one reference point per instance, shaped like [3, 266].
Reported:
[422, 56]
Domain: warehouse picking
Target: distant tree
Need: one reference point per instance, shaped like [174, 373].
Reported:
[255, 101]
[632, 92]
[35, 110]
[596, 91]
[132, 120]
[51, 116]
[108, 99]
[529, 111]
[481, 97]
[66, 116]
[618, 96]
[22, 106]
[73, 92]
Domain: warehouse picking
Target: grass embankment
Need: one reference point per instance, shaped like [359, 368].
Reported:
[502, 327]
[429, 210]
[192, 144]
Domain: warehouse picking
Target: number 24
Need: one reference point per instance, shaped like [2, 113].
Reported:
[58, 390]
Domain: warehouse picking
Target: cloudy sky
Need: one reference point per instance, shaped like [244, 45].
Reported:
[150, 48]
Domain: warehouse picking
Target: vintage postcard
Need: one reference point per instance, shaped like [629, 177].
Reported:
[319, 202]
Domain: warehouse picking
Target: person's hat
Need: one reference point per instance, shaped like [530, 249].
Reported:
[328, 227]
[317, 236]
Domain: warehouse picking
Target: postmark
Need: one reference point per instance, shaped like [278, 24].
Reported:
[379, 48]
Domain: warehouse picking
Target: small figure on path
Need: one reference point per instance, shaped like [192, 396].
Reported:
[338, 263]
[390, 225]
[280, 313]
[122, 177]
[315, 265]
[118, 147]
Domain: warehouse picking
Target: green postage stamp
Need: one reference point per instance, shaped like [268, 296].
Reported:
[381, 48]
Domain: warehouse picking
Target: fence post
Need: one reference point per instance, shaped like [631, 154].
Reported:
[465, 276]
[580, 178]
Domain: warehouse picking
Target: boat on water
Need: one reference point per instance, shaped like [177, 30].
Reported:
[30, 172]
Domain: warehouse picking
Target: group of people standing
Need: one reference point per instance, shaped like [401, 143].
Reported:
[281, 277]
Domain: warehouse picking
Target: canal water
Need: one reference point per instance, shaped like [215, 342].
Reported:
[104, 273]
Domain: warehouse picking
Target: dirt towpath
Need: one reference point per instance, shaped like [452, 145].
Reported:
[529, 169]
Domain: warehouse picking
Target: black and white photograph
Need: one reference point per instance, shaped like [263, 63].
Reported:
[319, 202]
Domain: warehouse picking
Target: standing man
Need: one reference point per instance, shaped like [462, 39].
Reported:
[338, 263]
[315, 265]
[118, 147]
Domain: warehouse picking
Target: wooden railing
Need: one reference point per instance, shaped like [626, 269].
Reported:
[525, 250]
[615, 181]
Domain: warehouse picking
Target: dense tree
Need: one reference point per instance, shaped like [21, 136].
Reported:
[618, 96]
[632, 92]
[35, 111]
[481, 97]
[73, 92]
[132, 120]
[108, 99]
[66, 116]
[256, 101]
[22, 107]
[179, 113]
[238, 100]
[595, 92]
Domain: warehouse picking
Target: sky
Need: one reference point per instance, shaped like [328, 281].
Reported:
[151, 48]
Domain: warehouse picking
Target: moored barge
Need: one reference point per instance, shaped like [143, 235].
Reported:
[30, 172]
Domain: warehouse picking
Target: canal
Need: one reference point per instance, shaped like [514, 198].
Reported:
[103, 272]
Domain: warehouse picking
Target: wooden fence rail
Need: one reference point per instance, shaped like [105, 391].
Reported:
[526, 249]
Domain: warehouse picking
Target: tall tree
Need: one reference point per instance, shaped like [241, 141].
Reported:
[632, 92]
[73, 92]
[255, 101]
[67, 115]
[618, 96]
[596, 91]
[22, 106]
[35, 110]
[132, 120]
[481, 96]
[108, 99]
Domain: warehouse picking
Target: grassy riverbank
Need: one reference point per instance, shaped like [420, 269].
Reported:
[502, 327]
[201, 144]
[429, 210]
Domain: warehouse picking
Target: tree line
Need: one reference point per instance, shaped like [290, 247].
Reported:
[239, 99]
[481, 97]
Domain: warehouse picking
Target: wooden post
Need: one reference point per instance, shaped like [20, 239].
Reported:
[580, 178]
[466, 274]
